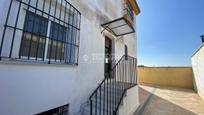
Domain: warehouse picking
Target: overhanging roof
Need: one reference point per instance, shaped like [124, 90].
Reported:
[119, 27]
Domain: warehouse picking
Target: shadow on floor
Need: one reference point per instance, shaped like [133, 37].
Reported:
[159, 106]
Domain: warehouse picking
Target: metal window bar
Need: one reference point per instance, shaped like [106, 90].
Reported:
[128, 9]
[62, 110]
[123, 77]
[16, 39]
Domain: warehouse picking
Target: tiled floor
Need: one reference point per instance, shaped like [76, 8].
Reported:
[145, 92]
[171, 101]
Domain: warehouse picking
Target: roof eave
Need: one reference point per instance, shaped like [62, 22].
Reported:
[134, 6]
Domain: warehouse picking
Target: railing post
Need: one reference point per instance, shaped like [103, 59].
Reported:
[123, 77]
[4, 30]
[96, 103]
[114, 112]
[100, 101]
[136, 73]
[91, 107]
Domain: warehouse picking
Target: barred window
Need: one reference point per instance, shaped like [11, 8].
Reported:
[60, 44]
[34, 37]
[41, 30]
[57, 42]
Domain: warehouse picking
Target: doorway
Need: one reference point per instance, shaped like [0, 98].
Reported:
[108, 57]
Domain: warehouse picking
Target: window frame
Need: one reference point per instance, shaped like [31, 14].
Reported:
[59, 11]
[49, 38]
[32, 34]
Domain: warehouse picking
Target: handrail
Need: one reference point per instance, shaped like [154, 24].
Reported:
[117, 62]
[109, 94]
[121, 99]
[97, 88]
[105, 78]
[117, 107]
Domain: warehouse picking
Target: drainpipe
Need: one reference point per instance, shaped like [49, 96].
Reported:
[202, 38]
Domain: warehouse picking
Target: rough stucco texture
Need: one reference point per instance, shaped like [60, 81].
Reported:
[198, 70]
[166, 76]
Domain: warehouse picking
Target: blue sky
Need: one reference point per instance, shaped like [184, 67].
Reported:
[168, 31]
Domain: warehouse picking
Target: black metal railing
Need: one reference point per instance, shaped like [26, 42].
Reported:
[127, 10]
[45, 31]
[129, 13]
[107, 97]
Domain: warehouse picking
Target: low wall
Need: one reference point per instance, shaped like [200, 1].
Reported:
[198, 70]
[166, 76]
[130, 103]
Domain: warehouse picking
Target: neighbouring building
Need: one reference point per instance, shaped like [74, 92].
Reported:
[198, 69]
[74, 57]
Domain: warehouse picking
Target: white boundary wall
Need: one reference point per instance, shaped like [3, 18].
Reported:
[198, 69]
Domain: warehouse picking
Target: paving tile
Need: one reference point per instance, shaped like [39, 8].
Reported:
[173, 101]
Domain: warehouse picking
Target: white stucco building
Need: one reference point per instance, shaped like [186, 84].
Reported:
[198, 70]
[53, 51]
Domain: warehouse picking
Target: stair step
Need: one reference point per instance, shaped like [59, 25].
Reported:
[100, 105]
[86, 111]
[111, 89]
[104, 96]
[118, 95]
[103, 104]
[119, 84]
[115, 89]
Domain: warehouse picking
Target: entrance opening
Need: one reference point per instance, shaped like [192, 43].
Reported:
[108, 57]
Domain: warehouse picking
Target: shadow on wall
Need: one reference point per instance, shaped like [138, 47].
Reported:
[181, 77]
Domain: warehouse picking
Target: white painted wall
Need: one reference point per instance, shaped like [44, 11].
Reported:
[130, 102]
[198, 69]
[27, 88]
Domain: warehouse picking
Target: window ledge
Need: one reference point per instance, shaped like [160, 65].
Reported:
[35, 62]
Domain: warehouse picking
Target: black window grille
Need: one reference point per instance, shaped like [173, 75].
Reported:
[42, 31]
[63, 110]
[57, 39]
[34, 36]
